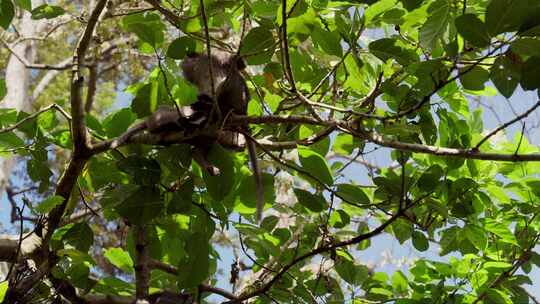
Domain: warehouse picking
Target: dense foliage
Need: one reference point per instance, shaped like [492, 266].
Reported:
[331, 81]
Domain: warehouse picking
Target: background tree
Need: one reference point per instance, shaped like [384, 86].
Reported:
[100, 219]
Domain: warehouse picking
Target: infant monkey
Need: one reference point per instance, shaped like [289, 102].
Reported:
[221, 71]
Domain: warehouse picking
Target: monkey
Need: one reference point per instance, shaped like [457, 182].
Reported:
[232, 96]
[170, 119]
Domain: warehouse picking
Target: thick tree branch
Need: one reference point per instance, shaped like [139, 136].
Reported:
[142, 271]
[78, 159]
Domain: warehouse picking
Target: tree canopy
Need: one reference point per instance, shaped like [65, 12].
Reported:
[101, 218]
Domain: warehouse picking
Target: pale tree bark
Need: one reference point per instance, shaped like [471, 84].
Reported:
[18, 78]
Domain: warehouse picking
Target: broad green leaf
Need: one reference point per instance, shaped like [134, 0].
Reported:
[313, 202]
[142, 170]
[411, 5]
[506, 74]
[378, 8]
[196, 267]
[118, 122]
[181, 200]
[345, 144]
[476, 235]
[495, 296]
[430, 179]
[505, 15]
[49, 204]
[47, 11]
[141, 206]
[529, 76]
[400, 282]
[526, 47]
[339, 219]
[353, 194]
[501, 230]
[419, 240]
[329, 42]
[221, 185]
[387, 48]
[141, 104]
[315, 165]
[184, 93]
[436, 24]
[258, 46]
[351, 273]
[180, 47]
[497, 266]
[474, 78]
[80, 236]
[473, 30]
[119, 258]
[7, 12]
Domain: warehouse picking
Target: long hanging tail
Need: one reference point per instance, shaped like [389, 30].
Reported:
[258, 176]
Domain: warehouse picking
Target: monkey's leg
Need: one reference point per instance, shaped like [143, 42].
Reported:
[199, 155]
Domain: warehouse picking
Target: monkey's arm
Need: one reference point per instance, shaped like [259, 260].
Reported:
[122, 139]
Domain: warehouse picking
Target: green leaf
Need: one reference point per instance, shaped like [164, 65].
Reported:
[195, 268]
[497, 266]
[24, 4]
[411, 5]
[495, 296]
[400, 282]
[142, 170]
[430, 179]
[329, 42]
[529, 76]
[505, 15]
[476, 235]
[436, 24]
[313, 202]
[119, 258]
[506, 74]
[49, 204]
[3, 88]
[184, 93]
[80, 236]
[47, 11]
[474, 79]
[7, 12]
[180, 47]
[181, 199]
[526, 47]
[473, 30]
[387, 48]
[221, 185]
[141, 206]
[118, 122]
[258, 46]
[339, 219]
[315, 165]
[3, 290]
[419, 240]
[351, 273]
[353, 194]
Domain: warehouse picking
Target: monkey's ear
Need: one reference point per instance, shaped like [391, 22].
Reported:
[240, 63]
